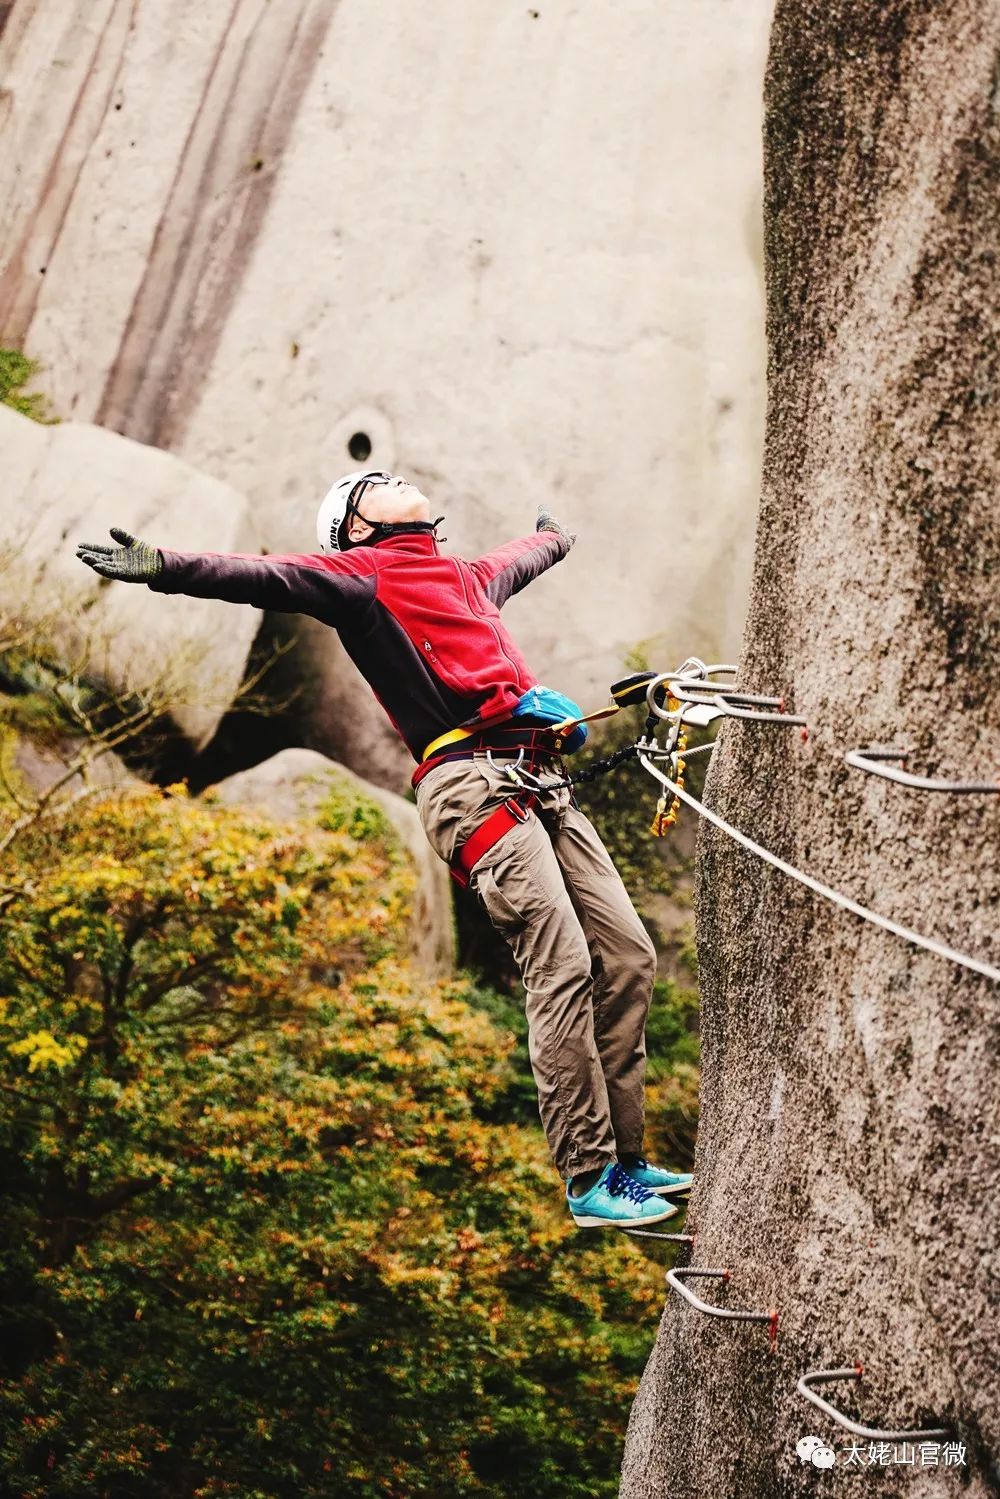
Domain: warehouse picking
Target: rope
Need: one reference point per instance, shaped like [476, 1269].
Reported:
[930, 944]
[600, 767]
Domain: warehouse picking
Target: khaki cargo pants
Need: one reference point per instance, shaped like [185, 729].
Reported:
[584, 957]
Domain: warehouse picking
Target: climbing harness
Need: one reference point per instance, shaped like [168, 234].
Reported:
[531, 743]
[559, 717]
[507, 816]
[553, 741]
[544, 711]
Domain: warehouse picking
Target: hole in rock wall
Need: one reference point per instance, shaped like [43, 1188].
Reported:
[360, 447]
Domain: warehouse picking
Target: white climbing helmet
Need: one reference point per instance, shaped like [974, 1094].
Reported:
[331, 531]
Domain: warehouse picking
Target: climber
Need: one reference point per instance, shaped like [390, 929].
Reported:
[425, 632]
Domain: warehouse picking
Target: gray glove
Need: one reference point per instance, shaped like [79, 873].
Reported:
[133, 561]
[547, 522]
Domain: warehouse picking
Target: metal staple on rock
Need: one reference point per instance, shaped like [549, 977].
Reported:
[652, 1233]
[873, 1434]
[871, 761]
[694, 689]
[675, 1279]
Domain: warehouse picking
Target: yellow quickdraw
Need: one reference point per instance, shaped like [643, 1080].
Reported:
[665, 817]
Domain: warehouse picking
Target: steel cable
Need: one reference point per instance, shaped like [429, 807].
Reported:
[930, 944]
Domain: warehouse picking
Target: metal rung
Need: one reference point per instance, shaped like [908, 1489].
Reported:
[757, 716]
[651, 1233]
[871, 761]
[689, 689]
[828, 1376]
[700, 694]
[675, 1279]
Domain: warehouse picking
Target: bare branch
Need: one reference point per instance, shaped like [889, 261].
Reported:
[179, 981]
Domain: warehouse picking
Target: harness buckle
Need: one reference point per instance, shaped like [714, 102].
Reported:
[516, 810]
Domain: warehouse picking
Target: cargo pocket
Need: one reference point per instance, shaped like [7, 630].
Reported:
[504, 916]
[512, 877]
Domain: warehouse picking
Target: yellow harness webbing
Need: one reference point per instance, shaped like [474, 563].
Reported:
[453, 736]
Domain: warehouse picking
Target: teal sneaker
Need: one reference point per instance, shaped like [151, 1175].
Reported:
[660, 1182]
[616, 1200]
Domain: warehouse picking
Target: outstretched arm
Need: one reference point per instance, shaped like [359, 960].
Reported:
[510, 568]
[329, 588]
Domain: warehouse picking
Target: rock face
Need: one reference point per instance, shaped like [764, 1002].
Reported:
[849, 1151]
[510, 251]
[297, 782]
[69, 483]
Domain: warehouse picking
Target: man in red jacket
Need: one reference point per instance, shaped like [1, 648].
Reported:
[425, 632]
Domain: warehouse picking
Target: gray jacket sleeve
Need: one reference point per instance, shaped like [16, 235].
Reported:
[330, 589]
[510, 568]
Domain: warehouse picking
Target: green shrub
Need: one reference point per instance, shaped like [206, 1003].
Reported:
[17, 371]
[344, 811]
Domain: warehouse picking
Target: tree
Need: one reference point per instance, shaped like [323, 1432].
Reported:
[847, 1164]
[269, 1228]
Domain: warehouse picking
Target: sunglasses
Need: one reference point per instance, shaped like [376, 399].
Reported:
[374, 476]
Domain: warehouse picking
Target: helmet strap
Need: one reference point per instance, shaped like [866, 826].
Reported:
[381, 530]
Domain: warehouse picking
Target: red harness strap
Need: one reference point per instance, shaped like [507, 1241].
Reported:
[488, 833]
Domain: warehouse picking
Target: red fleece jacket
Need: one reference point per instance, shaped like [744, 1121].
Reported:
[423, 629]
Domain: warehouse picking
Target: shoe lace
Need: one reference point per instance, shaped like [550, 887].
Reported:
[620, 1184]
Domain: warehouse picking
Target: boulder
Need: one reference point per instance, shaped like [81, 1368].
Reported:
[70, 482]
[297, 782]
[35, 766]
